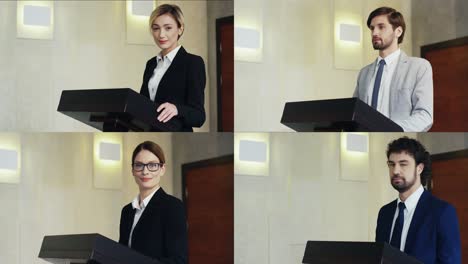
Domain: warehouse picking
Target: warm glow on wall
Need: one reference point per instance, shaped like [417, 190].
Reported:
[108, 165]
[248, 34]
[10, 155]
[251, 154]
[35, 19]
[138, 14]
[354, 156]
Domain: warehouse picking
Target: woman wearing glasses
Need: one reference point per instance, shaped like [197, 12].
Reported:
[154, 222]
[174, 79]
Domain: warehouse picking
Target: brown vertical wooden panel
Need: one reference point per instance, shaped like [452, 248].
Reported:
[449, 62]
[209, 201]
[225, 71]
[450, 183]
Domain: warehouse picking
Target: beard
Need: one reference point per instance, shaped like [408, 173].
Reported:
[404, 185]
[383, 43]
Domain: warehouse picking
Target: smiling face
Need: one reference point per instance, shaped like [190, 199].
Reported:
[166, 32]
[145, 179]
[405, 175]
[383, 34]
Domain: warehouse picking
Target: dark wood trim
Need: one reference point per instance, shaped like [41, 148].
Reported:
[450, 155]
[203, 163]
[443, 45]
[219, 22]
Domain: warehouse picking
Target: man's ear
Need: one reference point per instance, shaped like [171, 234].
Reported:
[420, 168]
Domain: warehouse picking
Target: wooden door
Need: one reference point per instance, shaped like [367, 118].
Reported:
[225, 73]
[209, 200]
[450, 183]
[449, 62]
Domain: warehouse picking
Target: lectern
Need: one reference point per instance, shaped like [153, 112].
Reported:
[118, 110]
[348, 114]
[328, 252]
[89, 248]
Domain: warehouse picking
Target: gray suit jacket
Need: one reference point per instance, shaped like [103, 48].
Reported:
[411, 92]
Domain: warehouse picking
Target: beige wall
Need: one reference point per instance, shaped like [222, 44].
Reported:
[304, 198]
[88, 51]
[298, 58]
[56, 193]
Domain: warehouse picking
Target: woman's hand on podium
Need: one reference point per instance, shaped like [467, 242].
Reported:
[168, 113]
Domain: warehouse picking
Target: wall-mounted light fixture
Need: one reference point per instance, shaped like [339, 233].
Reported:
[108, 165]
[354, 156]
[251, 154]
[35, 19]
[10, 158]
[247, 38]
[138, 29]
[350, 33]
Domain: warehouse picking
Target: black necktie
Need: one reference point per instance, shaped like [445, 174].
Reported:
[378, 79]
[396, 236]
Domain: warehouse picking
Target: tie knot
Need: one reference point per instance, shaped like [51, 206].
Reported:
[401, 206]
[381, 62]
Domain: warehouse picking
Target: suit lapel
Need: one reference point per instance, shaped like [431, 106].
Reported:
[368, 80]
[388, 221]
[152, 65]
[178, 60]
[419, 215]
[153, 203]
[397, 80]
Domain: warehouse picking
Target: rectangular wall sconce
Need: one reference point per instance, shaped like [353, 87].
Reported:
[10, 158]
[348, 44]
[350, 33]
[255, 151]
[35, 19]
[354, 156]
[247, 38]
[357, 142]
[251, 154]
[109, 151]
[107, 161]
[137, 16]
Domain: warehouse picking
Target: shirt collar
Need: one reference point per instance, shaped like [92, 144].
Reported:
[170, 56]
[413, 199]
[135, 201]
[390, 59]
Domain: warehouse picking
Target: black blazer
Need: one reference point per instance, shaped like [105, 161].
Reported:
[183, 85]
[161, 232]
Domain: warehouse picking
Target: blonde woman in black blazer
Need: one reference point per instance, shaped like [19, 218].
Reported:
[154, 223]
[178, 84]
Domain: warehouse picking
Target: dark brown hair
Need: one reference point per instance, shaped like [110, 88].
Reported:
[151, 147]
[395, 19]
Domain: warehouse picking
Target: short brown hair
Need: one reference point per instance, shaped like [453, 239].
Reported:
[172, 10]
[395, 18]
[151, 147]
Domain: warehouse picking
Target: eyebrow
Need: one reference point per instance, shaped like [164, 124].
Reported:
[399, 161]
[162, 25]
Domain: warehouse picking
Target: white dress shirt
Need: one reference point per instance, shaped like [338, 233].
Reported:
[383, 101]
[408, 212]
[140, 208]
[163, 64]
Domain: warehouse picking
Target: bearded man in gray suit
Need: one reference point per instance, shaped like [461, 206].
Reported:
[398, 86]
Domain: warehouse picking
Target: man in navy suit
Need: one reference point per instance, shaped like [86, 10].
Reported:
[417, 222]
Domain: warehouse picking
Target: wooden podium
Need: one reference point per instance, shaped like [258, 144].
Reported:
[328, 252]
[89, 248]
[118, 110]
[336, 115]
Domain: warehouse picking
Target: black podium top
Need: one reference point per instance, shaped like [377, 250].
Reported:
[120, 109]
[348, 114]
[89, 248]
[331, 252]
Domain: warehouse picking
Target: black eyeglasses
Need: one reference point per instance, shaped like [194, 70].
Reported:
[151, 166]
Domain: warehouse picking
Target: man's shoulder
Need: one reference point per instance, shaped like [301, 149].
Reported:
[416, 61]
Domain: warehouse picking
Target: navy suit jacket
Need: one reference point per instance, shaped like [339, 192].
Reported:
[183, 85]
[161, 232]
[433, 235]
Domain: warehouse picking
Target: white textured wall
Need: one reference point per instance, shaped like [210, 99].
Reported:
[304, 198]
[56, 193]
[298, 58]
[88, 51]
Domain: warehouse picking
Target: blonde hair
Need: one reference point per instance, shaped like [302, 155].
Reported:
[172, 10]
